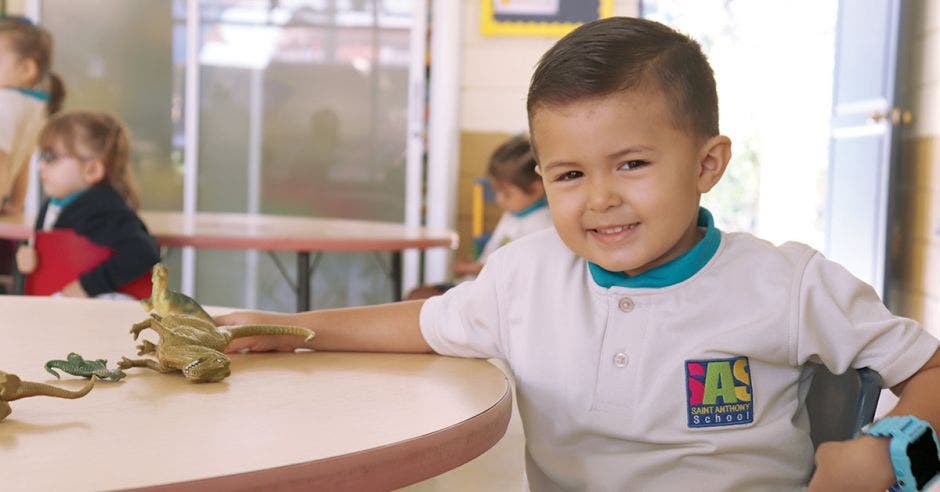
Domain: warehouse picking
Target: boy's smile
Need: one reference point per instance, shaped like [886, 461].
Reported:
[623, 182]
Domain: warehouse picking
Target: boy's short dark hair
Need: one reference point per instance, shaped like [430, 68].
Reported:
[622, 53]
[513, 162]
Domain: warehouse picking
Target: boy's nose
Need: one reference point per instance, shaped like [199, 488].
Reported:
[602, 195]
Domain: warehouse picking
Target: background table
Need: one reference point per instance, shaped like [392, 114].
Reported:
[303, 235]
[311, 421]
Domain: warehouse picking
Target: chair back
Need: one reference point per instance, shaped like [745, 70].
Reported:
[63, 256]
[482, 195]
[840, 405]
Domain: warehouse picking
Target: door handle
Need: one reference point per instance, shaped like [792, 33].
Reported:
[896, 116]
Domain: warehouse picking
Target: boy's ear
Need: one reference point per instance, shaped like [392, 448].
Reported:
[536, 188]
[93, 172]
[713, 159]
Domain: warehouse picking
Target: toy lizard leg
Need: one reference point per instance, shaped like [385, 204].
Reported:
[139, 327]
[146, 348]
[126, 363]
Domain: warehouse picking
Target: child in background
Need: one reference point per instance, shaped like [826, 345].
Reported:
[29, 92]
[519, 193]
[84, 170]
[652, 351]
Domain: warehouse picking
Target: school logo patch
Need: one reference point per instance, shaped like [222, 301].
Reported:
[719, 392]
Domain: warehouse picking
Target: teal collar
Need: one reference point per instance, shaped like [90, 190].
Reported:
[531, 208]
[670, 273]
[63, 202]
[34, 93]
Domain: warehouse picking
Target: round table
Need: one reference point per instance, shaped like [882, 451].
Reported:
[306, 420]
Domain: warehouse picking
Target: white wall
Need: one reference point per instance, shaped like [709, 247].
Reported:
[496, 71]
[922, 90]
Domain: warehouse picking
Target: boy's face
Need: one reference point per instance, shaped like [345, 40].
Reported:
[623, 183]
[512, 198]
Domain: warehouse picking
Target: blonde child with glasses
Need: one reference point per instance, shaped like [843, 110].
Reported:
[85, 173]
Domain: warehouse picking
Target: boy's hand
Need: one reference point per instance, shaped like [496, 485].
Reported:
[74, 289]
[26, 260]
[267, 343]
[859, 464]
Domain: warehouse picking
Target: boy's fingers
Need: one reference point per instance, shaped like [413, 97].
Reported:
[238, 345]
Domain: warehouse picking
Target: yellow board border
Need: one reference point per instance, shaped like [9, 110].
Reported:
[489, 26]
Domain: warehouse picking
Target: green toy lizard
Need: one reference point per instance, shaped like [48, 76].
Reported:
[165, 302]
[194, 346]
[13, 388]
[75, 365]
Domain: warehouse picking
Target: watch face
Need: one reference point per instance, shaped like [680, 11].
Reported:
[925, 463]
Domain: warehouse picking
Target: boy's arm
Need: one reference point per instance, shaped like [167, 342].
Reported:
[391, 327]
[865, 463]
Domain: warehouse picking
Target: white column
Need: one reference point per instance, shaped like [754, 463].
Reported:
[255, 127]
[443, 131]
[414, 141]
[191, 143]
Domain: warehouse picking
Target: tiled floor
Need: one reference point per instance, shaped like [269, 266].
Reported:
[499, 469]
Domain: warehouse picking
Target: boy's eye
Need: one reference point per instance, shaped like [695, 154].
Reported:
[568, 176]
[633, 164]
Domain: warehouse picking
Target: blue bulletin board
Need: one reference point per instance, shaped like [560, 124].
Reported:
[539, 17]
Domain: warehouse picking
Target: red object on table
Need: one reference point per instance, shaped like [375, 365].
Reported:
[63, 256]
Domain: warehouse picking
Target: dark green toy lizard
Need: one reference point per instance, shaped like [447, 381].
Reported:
[75, 365]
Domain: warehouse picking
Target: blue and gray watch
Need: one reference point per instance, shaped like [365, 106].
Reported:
[915, 453]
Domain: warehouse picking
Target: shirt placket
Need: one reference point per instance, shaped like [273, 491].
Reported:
[627, 320]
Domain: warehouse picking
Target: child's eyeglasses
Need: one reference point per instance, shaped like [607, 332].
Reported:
[49, 156]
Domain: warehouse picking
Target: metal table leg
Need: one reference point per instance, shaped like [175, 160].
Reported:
[303, 281]
[396, 275]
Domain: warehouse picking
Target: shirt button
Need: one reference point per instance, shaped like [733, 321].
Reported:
[620, 360]
[626, 304]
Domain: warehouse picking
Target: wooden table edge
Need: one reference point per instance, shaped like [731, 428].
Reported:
[385, 468]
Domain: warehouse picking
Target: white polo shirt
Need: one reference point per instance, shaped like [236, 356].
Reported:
[697, 385]
[512, 226]
[22, 115]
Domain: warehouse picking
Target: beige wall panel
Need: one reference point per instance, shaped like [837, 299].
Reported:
[500, 110]
[922, 158]
[931, 12]
[506, 66]
[475, 150]
[496, 71]
[16, 7]
[926, 110]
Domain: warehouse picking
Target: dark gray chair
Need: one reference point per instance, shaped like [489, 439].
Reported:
[840, 405]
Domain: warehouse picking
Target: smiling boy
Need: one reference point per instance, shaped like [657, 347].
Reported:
[652, 351]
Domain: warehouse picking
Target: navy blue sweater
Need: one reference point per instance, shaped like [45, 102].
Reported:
[104, 218]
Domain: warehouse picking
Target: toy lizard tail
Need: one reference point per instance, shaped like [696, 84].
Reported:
[254, 330]
[28, 388]
[58, 364]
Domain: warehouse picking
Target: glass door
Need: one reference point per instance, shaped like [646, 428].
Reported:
[303, 110]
